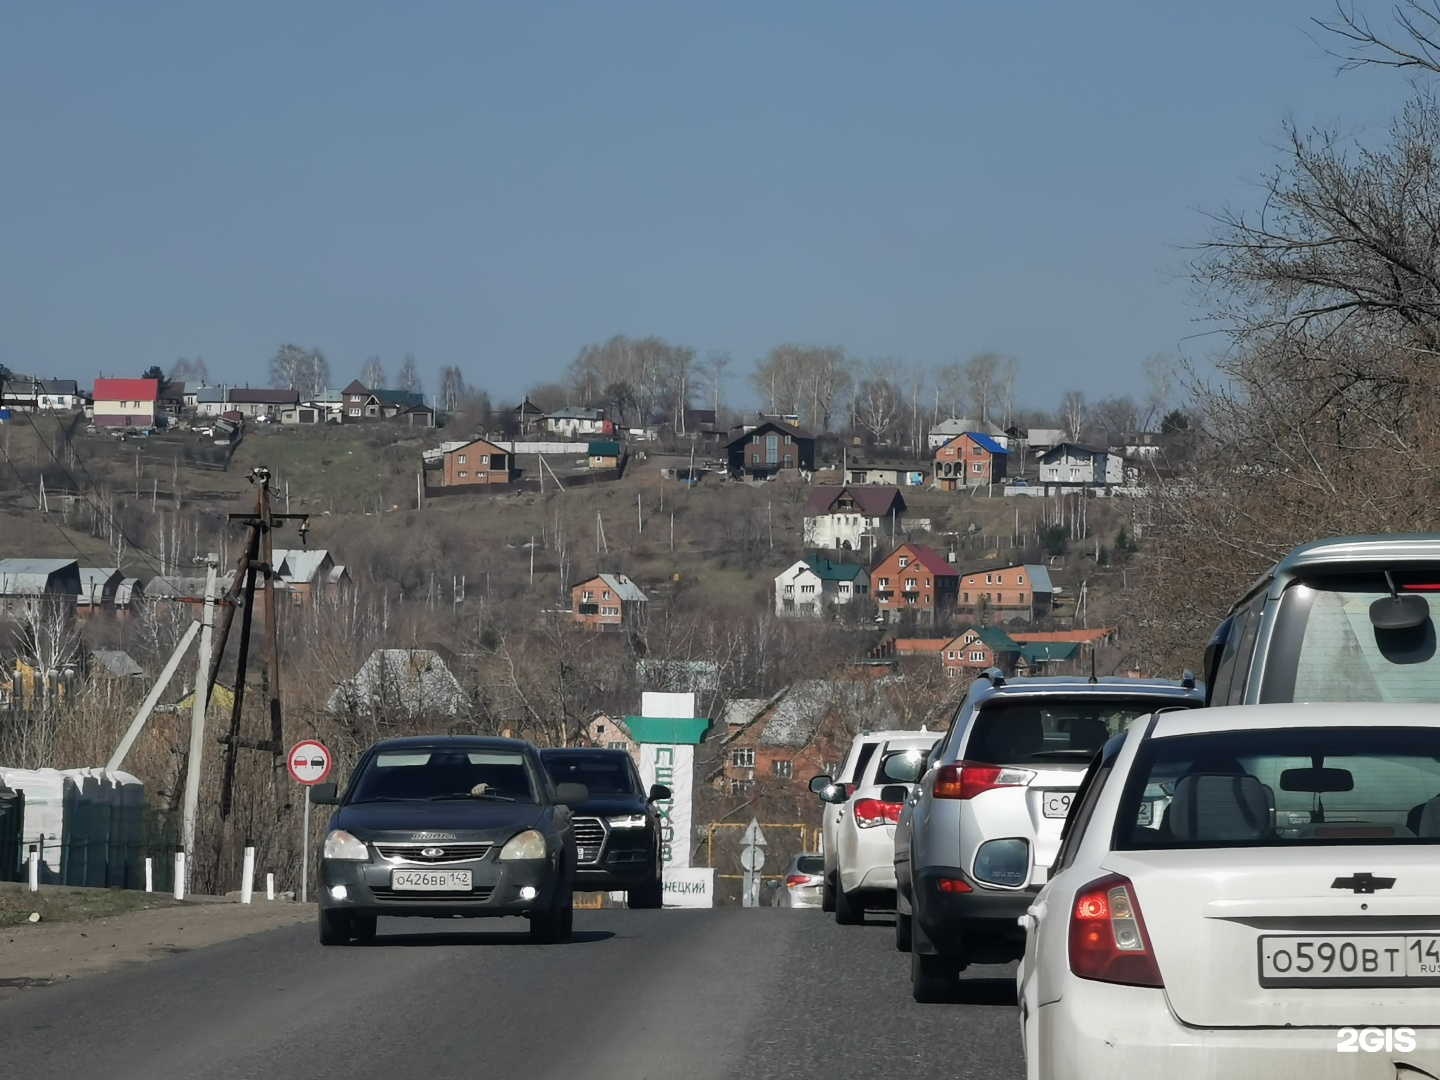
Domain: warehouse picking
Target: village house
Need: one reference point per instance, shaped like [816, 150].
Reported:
[979, 649]
[1009, 592]
[575, 422]
[1072, 465]
[25, 582]
[413, 683]
[972, 459]
[608, 732]
[607, 602]
[603, 455]
[884, 475]
[947, 430]
[914, 578]
[845, 518]
[807, 587]
[771, 448]
[127, 402]
[477, 462]
[304, 572]
[98, 588]
[255, 403]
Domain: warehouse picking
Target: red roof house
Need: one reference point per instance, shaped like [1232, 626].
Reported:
[127, 402]
[914, 578]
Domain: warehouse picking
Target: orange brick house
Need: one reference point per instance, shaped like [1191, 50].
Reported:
[979, 650]
[972, 459]
[1009, 592]
[914, 578]
[607, 602]
[477, 462]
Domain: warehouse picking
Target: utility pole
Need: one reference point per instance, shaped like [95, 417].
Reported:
[197, 725]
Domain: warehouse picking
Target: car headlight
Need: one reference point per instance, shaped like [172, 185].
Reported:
[526, 845]
[339, 844]
[628, 821]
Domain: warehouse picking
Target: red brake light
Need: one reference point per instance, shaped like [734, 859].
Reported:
[1108, 940]
[872, 812]
[967, 779]
[797, 879]
[946, 884]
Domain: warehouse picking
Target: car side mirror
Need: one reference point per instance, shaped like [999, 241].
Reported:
[893, 793]
[659, 793]
[818, 784]
[835, 795]
[572, 794]
[324, 795]
[772, 882]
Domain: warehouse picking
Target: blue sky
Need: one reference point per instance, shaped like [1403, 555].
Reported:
[494, 185]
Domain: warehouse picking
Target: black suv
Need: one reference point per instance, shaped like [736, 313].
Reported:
[617, 831]
[445, 826]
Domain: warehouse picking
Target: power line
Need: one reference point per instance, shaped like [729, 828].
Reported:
[35, 495]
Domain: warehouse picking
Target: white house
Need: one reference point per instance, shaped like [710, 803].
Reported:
[810, 584]
[946, 430]
[573, 422]
[841, 518]
[1070, 464]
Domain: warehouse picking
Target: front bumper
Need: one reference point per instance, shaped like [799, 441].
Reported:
[623, 859]
[951, 921]
[1097, 1031]
[495, 889]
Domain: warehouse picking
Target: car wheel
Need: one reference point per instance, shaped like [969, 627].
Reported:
[902, 932]
[827, 896]
[848, 912]
[363, 927]
[649, 895]
[567, 919]
[548, 927]
[932, 978]
[334, 927]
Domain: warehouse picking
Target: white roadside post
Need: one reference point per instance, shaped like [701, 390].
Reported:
[180, 873]
[308, 764]
[33, 858]
[247, 874]
[149, 874]
[269, 886]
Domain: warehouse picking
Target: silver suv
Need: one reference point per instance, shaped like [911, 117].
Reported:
[1345, 619]
[978, 833]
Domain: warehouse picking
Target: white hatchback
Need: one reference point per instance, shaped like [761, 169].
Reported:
[1247, 892]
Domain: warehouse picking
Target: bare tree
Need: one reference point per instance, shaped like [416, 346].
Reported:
[189, 371]
[453, 390]
[288, 367]
[713, 375]
[372, 375]
[1073, 414]
[879, 403]
[980, 373]
[1416, 47]
[1117, 417]
[409, 378]
[1160, 376]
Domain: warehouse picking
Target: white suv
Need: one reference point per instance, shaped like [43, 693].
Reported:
[865, 833]
[834, 791]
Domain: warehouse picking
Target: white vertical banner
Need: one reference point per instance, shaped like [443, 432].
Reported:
[674, 766]
[654, 703]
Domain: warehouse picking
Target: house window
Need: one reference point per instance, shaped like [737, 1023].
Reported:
[904, 561]
[789, 589]
[967, 598]
[979, 467]
[605, 595]
[484, 459]
[844, 586]
[883, 583]
[464, 473]
[783, 769]
[910, 584]
[587, 596]
[1020, 579]
[977, 657]
[616, 746]
[600, 729]
[460, 458]
[741, 787]
[742, 758]
[989, 579]
[806, 589]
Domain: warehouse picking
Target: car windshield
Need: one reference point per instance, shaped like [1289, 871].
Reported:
[1325, 648]
[1053, 730]
[601, 775]
[1285, 787]
[810, 864]
[443, 773]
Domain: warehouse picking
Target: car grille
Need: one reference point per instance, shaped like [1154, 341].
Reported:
[387, 895]
[589, 839]
[450, 852]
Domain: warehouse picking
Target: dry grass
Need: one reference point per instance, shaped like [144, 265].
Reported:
[59, 903]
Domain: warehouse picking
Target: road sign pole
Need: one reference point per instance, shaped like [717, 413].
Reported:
[305, 848]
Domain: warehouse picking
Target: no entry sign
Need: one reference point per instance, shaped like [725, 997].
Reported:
[309, 762]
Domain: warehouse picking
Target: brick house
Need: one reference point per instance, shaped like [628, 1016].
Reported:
[607, 602]
[979, 649]
[840, 519]
[770, 448]
[972, 459]
[914, 578]
[127, 402]
[603, 455]
[1009, 591]
[477, 462]
[354, 398]
[304, 572]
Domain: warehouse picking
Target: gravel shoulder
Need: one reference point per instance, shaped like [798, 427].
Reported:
[38, 954]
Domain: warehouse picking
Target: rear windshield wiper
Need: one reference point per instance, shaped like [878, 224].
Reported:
[1065, 753]
[471, 795]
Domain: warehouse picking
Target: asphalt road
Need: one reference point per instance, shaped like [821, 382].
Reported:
[638, 995]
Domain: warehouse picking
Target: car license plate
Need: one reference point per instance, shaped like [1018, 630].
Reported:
[1343, 960]
[430, 880]
[1056, 804]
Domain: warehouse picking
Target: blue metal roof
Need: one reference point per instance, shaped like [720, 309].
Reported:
[1039, 578]
[985, 442]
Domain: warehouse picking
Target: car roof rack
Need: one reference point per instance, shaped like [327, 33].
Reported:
[1187, 680]
[995, 675]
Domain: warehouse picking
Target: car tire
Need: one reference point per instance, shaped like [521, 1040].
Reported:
[363, 926]
[649, 895]
[903, 940]
[848, 912]
[557, 924]
[932, 978]
[827, 896]
[334, 927]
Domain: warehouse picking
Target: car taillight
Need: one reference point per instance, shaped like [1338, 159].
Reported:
[1108, 942]
[967, 779]
[797, 879]
[949, 884]
[872, 812]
